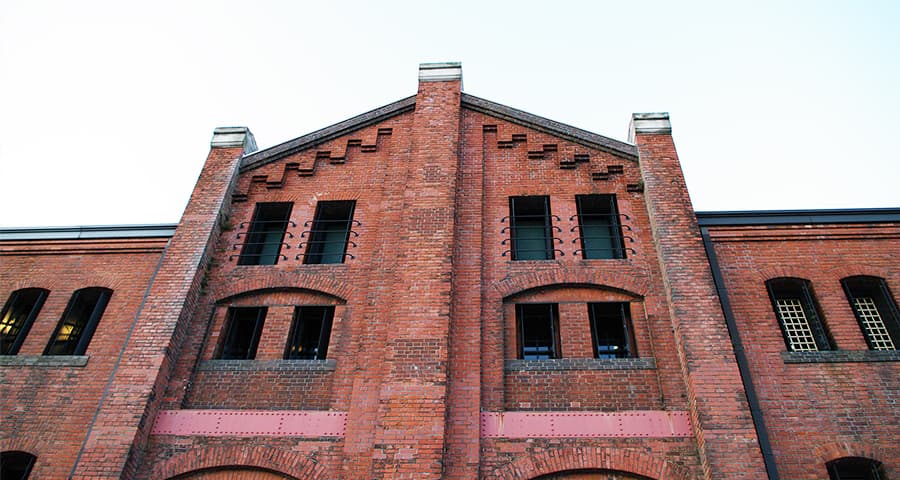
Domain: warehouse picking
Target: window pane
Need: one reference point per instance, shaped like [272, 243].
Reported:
[17, 316]
[530, 228]
[537, 331]
[798, 315]
[310, 333]
[330, 232]
[16, 465]
[262, 244]
[242, 333]
[854, 468]
[75, 329]
[875, 311]
[598, 220]
[610, 327]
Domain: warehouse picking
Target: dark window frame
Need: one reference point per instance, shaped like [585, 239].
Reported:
[329, 227]
[268, 224]
[883, 301]
[23, 462]
[230, 347]
[623, 325]
[10, 344]
[87, 329]
[799, 289]
[855, 468]
[298, 333]
[553, 350]
[590, 217]
[518, 228]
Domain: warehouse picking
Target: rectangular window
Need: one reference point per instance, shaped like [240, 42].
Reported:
[798, 315]
[611, 330]
[262, 244]
[242, 331]
[531, 231]
[538, 331]
[875, 311]
[17, 316]
[598, 224]
[310, 332]
[330, 232]
[79, 321]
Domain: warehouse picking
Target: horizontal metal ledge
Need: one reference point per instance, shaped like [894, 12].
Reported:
[248, 423]
[842, 356]
[43, 360]
[637, 423]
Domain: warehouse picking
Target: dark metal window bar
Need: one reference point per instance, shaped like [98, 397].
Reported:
[329, 234]
[531, 229]
[17, 317]
[600, 230]
[264, 238]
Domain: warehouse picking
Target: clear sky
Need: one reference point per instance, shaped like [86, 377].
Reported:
[107, 107]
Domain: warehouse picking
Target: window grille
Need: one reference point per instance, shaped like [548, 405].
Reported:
[875, 311]
[796, 326]
[310, 333]
[264, 239]
[798, 315]
[531, 231]
[76, 327]
[330, 233]
[600, 232]
[17, 317]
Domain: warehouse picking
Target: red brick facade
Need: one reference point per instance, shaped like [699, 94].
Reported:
[426, 348]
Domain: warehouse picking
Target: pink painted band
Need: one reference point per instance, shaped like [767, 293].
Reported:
[244, 423]
[646, 423]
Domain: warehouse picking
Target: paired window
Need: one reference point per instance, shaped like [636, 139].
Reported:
[264, 239]
[855, 468]
[875, 311]
[308, 338]
[17, 316]
[798, 315]
[598, 224]
[15, 465]
[79, 321]
[530, 227]
[538, 330]
[330, 232]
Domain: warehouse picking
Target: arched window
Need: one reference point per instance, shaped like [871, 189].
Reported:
[16, 465]
[855, 468]
[77, 325]
[17, 316]
[875, 311]
[799, 317]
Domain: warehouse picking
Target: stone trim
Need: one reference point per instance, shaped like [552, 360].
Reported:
[326, 365]
[44, 360]
[569, 364]
[842, 356]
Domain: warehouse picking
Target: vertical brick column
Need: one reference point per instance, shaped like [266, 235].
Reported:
[130, 400]
[409, 436]
[726, 438]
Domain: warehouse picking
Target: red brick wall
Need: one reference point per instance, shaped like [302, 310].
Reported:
[815, 412]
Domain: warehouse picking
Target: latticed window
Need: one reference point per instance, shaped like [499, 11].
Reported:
[79, 321]
[531, 232]
[599, 229]
[330, 232]
[17, 316]
[798, 315]
[265, 237]
[538, 329]
[875, 311]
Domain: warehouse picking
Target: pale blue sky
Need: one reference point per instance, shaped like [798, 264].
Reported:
[107, 108]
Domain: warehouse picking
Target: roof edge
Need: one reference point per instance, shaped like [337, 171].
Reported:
[268, 155]
[164, 230]
[568, 132]
[795, 217]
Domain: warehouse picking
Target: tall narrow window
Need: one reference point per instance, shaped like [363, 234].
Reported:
[854, 468]
[242, 331]
[262, 244]
[598, 223]
[611, 330]
[330, 232]
[798, 315]
[538, 331]
[310, 333]
[17, 316]
[16, 465]
[875, 310]
[78, 323]
[531, 233]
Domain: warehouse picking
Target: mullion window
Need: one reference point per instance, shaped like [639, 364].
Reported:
[77, 326]
[611, 330]
[531, 232]
[265, 237]
[330, 232]
[600, 231]
[310, 333]
[242, 333]
[538, 327]
[17, 317]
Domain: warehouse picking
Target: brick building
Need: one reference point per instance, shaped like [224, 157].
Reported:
[446, 287]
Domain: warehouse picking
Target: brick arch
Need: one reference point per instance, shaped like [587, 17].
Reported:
[782, 271]
[574, 459]
[857, 270]
[294, 464]
[836, 450]
[627, 280]
[273, 280]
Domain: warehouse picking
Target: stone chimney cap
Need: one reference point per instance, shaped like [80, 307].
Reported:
[649, 123]
[440, 72]
[231, 137]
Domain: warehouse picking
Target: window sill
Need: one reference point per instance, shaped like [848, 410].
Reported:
[326, 365]
[842, 356]
[565, 364]
[43, 360]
